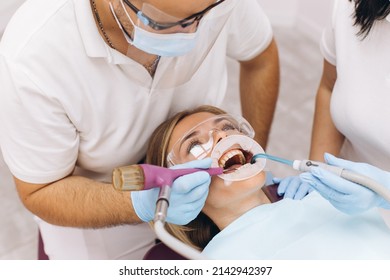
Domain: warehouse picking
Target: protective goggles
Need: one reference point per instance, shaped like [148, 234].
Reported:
[198, 142]
[157, 20]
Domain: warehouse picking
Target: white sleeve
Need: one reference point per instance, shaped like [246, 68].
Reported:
[328, 43]
[250, 31]
[38, 141]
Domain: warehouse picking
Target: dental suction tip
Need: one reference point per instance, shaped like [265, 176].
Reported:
[273, 158]
[255, 157]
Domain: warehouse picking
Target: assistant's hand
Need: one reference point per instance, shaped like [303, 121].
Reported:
[346, 196]
[188, 195]
[292, 187]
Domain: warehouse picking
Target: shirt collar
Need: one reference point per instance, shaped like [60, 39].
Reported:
[93, 43]
[388, 17]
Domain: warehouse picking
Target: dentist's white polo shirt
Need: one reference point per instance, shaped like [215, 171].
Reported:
[69, 101]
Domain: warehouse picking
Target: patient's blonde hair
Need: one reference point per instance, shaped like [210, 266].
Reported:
[200, 231]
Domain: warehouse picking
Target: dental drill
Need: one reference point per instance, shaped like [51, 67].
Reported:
[308, 165]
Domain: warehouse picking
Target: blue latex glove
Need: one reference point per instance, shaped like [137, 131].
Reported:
[346, 196]
[292, 187]
[188, 195]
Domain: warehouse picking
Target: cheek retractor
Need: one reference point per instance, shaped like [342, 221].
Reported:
[244, 143]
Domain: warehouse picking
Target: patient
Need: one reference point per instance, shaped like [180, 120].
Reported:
[238, 221]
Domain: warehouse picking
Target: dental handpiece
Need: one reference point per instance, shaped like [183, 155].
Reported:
[301, 165]
[308, 165]
[138, 177]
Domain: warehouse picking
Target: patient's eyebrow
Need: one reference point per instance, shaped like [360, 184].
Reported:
[215, 122]
[192, 134]
[197, 132]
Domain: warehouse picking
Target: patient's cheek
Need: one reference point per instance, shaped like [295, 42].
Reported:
[257, 180]
[262, 178]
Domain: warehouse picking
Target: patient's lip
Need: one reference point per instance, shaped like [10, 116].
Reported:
[229, 170]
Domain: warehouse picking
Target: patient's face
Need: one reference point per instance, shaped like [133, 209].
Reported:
[221, 193]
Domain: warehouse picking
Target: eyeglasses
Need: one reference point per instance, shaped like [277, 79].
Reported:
[162, 26]
[198, 142]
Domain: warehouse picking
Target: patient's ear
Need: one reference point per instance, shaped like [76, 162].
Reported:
[271, 191]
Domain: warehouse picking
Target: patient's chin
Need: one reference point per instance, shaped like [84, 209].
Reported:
[255, 181]
[223, 194]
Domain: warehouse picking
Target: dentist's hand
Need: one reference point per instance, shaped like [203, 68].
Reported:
[344, 195]
[292, 187]
[188, 195]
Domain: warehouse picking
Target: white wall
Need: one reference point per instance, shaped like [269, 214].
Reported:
[298, 25]
[302, 21]
[313, 13]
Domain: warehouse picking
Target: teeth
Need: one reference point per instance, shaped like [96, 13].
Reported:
[239, 147]
[222, 161]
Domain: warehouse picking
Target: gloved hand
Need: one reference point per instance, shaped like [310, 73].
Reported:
[344, 195]
[292, 187]
[188, 195]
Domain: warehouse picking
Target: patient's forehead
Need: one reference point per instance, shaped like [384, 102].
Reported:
[186, 124]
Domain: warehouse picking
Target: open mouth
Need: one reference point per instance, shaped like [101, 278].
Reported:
[234, 159]
[234, 154]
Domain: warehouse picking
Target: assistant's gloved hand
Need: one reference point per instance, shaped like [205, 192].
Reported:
[346, 196]
[292, 187]
[188, 195]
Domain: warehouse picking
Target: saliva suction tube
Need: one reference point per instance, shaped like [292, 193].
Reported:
[160, 215]
[308, 165]
[175, 244]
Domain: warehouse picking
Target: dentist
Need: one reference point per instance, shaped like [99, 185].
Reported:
[351, 113]
[85, 82]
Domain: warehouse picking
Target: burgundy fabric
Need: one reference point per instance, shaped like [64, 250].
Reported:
[41, 252]
[162, 252]
[271, 191]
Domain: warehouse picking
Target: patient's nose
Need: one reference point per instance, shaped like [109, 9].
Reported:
[218, 135]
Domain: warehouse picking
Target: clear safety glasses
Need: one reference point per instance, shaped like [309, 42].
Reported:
[198, 142]
[157, 20]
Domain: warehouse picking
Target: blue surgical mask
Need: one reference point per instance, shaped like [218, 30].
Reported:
[175, 44]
